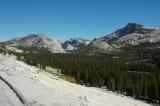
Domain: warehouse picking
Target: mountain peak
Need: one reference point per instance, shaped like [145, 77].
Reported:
[37, 35]
[133, 26]
[131, 34]
[37, 41]
[136, 27]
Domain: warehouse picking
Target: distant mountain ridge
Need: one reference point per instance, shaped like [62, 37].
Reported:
[132, 34]
[75, 44]
[37, 40]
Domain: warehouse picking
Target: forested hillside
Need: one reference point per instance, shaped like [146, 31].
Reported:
[134, 72]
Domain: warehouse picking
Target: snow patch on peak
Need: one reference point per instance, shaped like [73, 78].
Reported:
[75, 44]
[70, 47]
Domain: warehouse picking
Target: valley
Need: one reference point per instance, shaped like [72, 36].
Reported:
[126, 62]
[38, 88]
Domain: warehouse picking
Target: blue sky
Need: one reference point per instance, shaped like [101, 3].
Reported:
[65, 19]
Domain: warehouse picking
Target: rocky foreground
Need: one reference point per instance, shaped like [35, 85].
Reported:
[31, 87]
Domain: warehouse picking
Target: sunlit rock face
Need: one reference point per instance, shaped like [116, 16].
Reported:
[131, 34]
[75, 44]
[37, 40]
